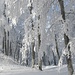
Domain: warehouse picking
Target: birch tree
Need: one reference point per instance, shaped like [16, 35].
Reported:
[39, 43]
[30, 6]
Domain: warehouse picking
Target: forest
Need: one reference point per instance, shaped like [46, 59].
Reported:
[38, 33]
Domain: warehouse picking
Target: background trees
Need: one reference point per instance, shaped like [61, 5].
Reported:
[36, 30]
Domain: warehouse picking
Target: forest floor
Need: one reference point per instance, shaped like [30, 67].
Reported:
[20, 70]
[9, 67]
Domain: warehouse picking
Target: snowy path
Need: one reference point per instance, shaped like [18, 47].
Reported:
[30, 71]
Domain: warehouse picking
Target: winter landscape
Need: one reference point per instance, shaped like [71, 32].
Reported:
[37, 37]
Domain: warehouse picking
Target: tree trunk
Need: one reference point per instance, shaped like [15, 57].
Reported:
[5, 49]
[10, 50]
[3, 45]
[69, 62]
[32, 42]
[61, 3]
[39, 43]
[66, 40]
[44, 59]
[57, 47]
[39, 59]
[54, 58]
[33, 55]
[40, 64]
[8, 44]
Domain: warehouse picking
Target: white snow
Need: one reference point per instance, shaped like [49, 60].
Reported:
[29, 71]
[14, 20]
[18, 23]
[9, 67]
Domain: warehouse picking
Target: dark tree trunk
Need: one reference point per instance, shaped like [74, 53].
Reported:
[57, 47]
[69, 62]
[54, 58]
[32, 43]
[44, 58]
[7, 44]
[33, 55]
[39, 43]
[66, 40]
[10, 50]
[61, 3]
[5, 48]
[3, 45]
[40, 64]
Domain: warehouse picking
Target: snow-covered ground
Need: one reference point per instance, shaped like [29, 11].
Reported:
[9, 67]
[19, 70]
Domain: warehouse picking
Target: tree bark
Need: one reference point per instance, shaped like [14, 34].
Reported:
[3, 45]
[69, 62]
[39, 43]
[40, 64]
[33, 55]
[32, 42]
[10, 50]
[54, 58]
[66, 40]
[5, 49]
[61, 3]
[57, 47]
